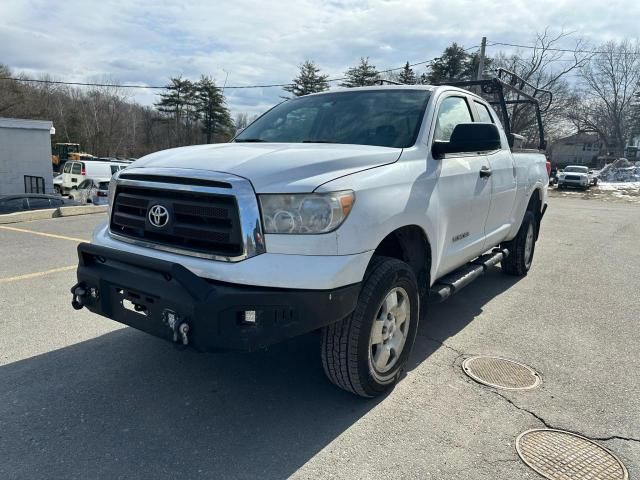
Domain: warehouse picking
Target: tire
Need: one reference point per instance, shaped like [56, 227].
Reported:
[520, 256]
[57, 189]
[349, 358]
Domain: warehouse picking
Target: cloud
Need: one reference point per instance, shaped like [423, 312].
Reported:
[259, 42]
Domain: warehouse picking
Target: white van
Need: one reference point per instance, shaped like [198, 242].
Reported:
[75, 172]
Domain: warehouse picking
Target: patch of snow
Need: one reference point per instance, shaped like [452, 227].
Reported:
[620, 170]
[616, 186]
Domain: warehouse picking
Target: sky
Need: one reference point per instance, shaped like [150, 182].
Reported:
[250, 42]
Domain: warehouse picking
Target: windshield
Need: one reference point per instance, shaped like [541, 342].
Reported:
[387, 118]
[576, 169]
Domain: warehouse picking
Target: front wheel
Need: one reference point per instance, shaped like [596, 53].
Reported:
[521, 248]
[366, 352]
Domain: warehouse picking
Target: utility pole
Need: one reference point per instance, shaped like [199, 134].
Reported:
[483, 46]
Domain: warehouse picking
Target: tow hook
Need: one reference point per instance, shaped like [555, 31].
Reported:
[179, 327]
[79, 293]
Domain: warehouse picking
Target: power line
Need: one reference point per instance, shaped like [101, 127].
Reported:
[537, 47]
[230, 87]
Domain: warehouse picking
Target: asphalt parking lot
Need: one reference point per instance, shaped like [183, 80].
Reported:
[83, 397]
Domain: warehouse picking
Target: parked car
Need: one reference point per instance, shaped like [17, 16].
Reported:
[75, 172]
[341, 211]
[576, 176]
[91, 190]
[57, 184]
[31, 201]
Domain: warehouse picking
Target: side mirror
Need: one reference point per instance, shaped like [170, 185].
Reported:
[468, 138]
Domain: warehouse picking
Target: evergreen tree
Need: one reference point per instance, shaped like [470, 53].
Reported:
[362, 75]
[177, 102]
[473, 64]
[452, 65]
[455, 64]
[407, 75]
[308, 80]
[211, 106]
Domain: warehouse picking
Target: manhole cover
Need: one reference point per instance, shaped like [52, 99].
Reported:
[500, 373]
[559, 455]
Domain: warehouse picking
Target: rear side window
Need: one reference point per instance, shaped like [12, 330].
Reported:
[76, 169]
[38, 203]
[85, 184]
[483, 113]
[452, 111]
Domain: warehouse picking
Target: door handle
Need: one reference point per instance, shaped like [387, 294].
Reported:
[485, 172]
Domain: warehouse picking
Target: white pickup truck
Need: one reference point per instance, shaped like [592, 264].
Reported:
[340, 212]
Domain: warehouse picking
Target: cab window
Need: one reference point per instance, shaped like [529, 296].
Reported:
[483, 113]
[452, 111]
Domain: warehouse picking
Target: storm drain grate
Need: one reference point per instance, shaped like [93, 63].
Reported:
[501, 373]
[559, 455]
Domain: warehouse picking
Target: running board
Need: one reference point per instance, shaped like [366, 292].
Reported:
[460, 278]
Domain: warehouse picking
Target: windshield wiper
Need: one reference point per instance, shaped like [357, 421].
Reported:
[249, 140]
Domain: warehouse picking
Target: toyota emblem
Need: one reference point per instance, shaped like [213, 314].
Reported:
[158, 216]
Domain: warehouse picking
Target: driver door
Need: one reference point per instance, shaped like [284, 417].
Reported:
[464, 194]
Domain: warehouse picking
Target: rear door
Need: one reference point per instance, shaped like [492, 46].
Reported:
[75, 176]
[464, 195]
[66, 175]
[503, 182]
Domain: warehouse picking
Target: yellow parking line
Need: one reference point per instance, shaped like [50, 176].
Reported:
[38, 274]
[51, 235]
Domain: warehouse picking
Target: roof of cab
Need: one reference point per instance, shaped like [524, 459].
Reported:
[429, 88]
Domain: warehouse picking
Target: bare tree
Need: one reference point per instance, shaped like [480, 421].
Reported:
[609, 84]
[547, 68]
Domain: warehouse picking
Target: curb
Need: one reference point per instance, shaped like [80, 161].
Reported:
[51, 213]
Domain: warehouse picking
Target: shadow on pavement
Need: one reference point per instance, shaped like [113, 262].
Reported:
[444, 320]
[126, 404]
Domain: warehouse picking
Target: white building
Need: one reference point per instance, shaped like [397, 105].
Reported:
[25, 156]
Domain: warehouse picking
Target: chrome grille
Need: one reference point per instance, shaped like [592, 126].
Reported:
[198, 222]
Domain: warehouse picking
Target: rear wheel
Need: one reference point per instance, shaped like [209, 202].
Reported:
[366, 352]
[521, 248]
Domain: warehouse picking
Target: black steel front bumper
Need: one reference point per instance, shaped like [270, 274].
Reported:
[163, 297]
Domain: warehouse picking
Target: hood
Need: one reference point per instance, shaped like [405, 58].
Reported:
[577, 174]
[276, 167]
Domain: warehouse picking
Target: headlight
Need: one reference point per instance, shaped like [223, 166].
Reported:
[561, 176]
[112, 188]
[305, 213]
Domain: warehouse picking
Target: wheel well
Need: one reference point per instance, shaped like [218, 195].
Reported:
[535, 206]
[535, 202]
[409, 244]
